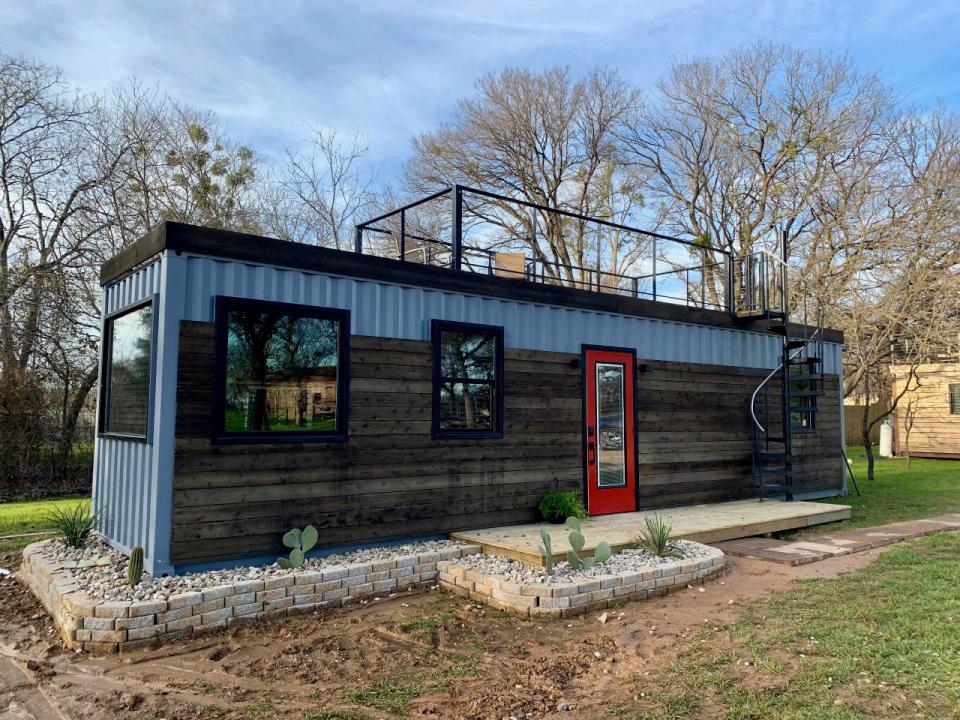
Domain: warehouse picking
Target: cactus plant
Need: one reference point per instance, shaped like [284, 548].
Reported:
[546, 551]
[300, 543]
[135, 567]
[657, 539]
[601, 554]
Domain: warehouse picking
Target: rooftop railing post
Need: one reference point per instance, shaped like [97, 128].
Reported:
[654, 269]
[358, 240]
[403, 234]
[703, 279]
[635, 283]
[456, 230]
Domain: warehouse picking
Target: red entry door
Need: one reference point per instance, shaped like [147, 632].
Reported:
[611, 443]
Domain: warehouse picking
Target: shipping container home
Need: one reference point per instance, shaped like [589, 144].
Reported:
[434, 378]
[927, 416]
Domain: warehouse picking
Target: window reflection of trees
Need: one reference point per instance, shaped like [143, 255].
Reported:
[281, 372]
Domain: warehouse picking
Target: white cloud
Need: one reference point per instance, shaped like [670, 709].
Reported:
[391, 69]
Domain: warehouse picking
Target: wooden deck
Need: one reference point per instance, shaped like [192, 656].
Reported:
[703, 523]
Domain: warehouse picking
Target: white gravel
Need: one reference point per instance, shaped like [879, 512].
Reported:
[109, 581]
[623, 561]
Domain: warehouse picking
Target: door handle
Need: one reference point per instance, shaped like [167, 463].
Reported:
[591, 453]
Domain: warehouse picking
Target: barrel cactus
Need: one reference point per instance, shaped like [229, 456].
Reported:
[135, 567]
[300, 543]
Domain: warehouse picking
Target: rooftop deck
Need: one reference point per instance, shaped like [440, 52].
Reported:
[704, 523]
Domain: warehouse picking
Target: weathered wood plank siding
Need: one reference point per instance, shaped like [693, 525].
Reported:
[391, 479]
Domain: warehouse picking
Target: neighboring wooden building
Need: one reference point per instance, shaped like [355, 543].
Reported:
[379, 399]
[927, 418]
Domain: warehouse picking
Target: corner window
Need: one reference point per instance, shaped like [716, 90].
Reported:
[467, 380]
[955, 399]
[125, 378]
[281, 372]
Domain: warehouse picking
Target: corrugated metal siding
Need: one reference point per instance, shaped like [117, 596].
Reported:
[134, 288]
[122, 477]
[387, 310]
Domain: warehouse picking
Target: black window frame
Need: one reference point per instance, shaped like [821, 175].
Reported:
[797, 428]
[437, 328]
[223, 305]
[953, 395]
[106, 357]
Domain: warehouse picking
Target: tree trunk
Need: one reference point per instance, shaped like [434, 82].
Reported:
[866, 427]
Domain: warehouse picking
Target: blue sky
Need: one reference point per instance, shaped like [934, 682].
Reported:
[392, 69]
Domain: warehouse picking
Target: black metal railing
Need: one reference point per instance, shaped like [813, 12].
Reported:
[478, 231]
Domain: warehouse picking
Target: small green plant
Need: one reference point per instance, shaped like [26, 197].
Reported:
[300, 543]
[73, 525]
[656, 539]
[135, 566]
[557, 506]
[546, 551]
[601, 554]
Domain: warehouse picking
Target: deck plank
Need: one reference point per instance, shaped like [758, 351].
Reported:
[710, 523]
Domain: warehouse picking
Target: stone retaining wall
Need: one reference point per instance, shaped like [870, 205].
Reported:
[106, 626]
[565, 599]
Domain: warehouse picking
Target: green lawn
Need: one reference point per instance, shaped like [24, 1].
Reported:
[924, 489]
[18, 518]
[882, 642]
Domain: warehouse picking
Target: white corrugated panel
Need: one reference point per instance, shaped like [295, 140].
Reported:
[122, 477]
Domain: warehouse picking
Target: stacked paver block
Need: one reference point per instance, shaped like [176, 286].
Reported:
[103, 626]
[565, 599]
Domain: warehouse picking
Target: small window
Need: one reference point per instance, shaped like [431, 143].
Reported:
[282, 371]
[803, 401]
[468, 380]
[955, 399]
[125, 389]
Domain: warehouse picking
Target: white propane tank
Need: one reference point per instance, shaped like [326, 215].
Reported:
[886, 439]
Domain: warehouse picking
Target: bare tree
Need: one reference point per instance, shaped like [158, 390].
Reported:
[762, 141]
[547, 138]
[322, 192]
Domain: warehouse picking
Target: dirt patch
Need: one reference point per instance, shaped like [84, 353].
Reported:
[425, 655]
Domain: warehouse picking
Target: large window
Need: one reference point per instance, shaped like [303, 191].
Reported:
[125, 379]
[282, 371]
[955, 399]
[467, 380]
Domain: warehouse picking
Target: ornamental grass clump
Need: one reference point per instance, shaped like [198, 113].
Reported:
[656, 540]
[74, 524]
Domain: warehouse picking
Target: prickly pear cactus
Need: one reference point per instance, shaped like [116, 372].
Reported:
[135, 567]
[300, 543]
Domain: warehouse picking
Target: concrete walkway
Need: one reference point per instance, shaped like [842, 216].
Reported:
[838, 543]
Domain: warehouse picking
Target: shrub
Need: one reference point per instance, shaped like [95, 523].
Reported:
[73, 525]
[656, 539]
[557, 506]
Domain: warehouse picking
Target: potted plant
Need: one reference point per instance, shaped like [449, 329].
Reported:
[556, 506]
